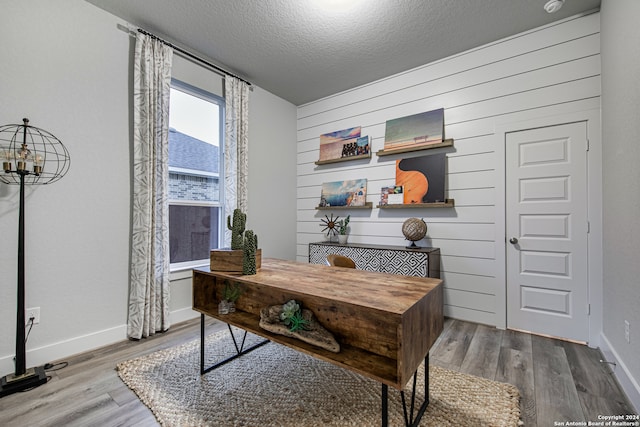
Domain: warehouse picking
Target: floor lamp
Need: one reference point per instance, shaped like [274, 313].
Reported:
[30, 156]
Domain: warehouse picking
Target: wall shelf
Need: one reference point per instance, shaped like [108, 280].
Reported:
[444, 143]
[367, 205]
[343, 159]
[448, 203]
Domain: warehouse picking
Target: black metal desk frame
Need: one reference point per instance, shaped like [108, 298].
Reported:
[240, 350]
[409, 419]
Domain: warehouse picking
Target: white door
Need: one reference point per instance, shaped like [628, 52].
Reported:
[546, 221]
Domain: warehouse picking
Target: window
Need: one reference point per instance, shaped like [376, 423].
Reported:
[195, 165]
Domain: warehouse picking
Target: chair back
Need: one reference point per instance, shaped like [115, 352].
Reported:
[336, 260]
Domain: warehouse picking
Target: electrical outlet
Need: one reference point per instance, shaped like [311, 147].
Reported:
[32, 312]
[626, 331]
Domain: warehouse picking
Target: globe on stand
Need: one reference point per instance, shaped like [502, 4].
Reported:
[414, 229]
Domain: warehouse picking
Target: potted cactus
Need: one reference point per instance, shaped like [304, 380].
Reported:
[237, 228]
[249, 248]
[244, 255]
[343, 230]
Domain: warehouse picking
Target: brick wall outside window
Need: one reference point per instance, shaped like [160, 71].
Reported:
[194, 188]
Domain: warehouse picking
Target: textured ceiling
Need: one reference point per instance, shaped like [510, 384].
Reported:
[303, 50]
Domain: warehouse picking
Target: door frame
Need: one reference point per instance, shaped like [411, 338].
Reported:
[594, 212]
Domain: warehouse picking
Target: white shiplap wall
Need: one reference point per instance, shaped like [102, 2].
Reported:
[544, 72]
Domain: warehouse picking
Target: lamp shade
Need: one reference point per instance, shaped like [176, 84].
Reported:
[34, 153]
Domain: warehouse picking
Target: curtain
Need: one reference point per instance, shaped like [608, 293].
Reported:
[236, 147]
[149, 272]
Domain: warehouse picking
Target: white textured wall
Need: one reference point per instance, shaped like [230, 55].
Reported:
[546, 72]
[272, 174]
[621, 207]
[68, 68]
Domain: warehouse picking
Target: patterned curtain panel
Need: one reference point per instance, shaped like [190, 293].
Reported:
[236, 147]
[149, 280]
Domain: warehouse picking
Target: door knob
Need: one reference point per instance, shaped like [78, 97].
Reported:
[513, 240]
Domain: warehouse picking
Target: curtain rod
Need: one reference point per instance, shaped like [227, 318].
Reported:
[192, 56]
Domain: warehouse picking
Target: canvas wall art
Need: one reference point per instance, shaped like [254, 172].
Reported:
[355, 147]
[344, 193]
[416, 130]
[332, 144]
[422, 178]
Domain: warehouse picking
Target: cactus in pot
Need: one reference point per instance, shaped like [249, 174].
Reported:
[343, 234]
[249, 252]
[237, 228]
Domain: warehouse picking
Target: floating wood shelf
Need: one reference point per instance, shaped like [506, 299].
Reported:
[367, 205]
[343, 159]
[444, 143]
[448, 203]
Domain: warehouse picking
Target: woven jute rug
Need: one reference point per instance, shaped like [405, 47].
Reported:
[277, 386]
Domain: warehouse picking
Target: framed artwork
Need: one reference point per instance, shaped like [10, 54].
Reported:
[344, 193]
[392, 195]
[416, 130]
[422, 178]
[332, 144]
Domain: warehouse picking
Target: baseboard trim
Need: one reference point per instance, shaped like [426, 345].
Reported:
[62, 349]
[183, 314]
[59, 350]
[625, 379]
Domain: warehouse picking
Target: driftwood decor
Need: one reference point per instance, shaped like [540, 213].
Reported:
[302, 325]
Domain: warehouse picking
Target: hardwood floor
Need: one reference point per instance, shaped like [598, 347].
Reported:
[558, 381]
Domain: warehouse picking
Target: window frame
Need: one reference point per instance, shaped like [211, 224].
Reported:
[221, 103]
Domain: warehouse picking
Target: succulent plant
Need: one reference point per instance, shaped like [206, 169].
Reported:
[342, 225]
[291, 316]
[231, 291]
[298, 322]
[289, 309]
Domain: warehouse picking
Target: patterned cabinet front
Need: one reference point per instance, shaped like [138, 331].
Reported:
[423, 262]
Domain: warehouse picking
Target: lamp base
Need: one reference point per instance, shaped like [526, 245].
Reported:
[32, 378]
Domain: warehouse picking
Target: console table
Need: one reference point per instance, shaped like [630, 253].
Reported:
[421, 262]
[385, 324]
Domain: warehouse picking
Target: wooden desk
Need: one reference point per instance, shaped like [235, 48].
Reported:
[385, 323]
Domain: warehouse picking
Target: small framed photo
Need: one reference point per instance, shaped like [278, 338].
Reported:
[392, 195]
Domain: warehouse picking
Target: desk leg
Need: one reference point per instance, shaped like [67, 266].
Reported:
[385, 405]
[239, 349]
[425, 403]
[201, 344]
[409, 421]
[426, 379]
